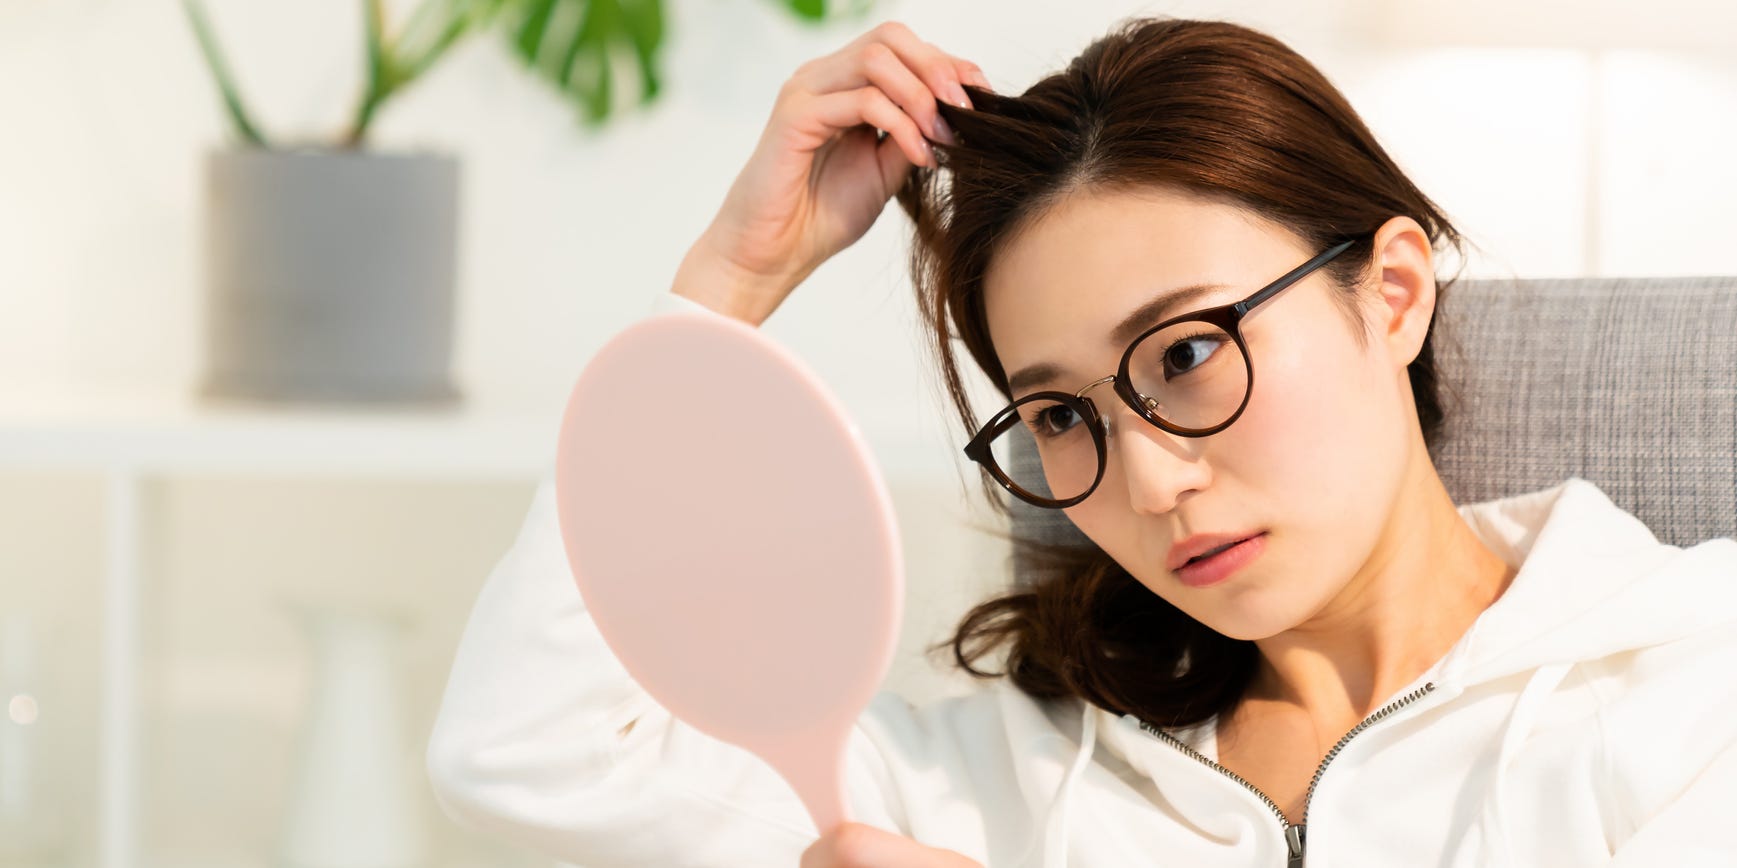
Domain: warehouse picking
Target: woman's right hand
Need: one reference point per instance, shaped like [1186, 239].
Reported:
[820, 175]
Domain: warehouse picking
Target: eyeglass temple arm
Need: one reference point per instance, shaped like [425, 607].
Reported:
[1292, 276]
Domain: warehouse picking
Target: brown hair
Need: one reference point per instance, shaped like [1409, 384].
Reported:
[1209, 108]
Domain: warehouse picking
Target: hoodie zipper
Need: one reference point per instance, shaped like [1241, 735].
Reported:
[1294, 833]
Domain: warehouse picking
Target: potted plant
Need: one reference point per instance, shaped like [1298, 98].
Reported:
[330, 265]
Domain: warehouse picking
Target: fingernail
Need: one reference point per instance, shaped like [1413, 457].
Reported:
[943, 132]
[929, 151]
[978, 80]
[956, 94]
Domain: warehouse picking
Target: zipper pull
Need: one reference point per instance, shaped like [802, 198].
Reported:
[1294, 840]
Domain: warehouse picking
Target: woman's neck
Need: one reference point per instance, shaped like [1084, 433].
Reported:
[1427, 580]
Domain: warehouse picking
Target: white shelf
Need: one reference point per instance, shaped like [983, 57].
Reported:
[46, 427]
[134, 438]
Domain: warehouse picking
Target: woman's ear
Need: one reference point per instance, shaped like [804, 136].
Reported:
[1405, 261]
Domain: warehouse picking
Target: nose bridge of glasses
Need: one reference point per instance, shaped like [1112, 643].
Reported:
[1094, 384]
[1152, 404]
[1103, 417]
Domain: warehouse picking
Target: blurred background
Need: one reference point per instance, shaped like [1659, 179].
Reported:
[232, 578]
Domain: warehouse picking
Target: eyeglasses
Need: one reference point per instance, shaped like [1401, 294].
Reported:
[1190, 375]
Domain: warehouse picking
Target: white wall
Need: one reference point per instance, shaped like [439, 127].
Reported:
[566, 235]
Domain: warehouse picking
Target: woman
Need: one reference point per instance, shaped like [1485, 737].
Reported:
[1286, 641]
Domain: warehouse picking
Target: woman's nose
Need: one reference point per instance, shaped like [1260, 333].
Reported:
[1158, 467]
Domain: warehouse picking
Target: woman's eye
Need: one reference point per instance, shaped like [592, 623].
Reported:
[1053, 420]
[1189, 353]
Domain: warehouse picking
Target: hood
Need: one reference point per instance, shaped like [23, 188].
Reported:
[1592, 581]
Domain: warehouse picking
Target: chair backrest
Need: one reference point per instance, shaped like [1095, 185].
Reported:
[1630, 383]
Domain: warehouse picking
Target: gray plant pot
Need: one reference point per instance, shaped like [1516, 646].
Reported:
[329, 276]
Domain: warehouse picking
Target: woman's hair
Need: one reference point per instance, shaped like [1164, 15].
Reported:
[1206, 108]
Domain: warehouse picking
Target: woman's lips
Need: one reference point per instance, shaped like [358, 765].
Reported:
[1216, 568]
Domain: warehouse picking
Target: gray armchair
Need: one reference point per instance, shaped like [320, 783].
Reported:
[1630, 383]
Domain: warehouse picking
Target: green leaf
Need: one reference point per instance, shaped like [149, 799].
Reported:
[584, 38]
[575, 59]
[643, 21]
[415, 37]
[535, 23]
[597, 107]
[414, 67]
[232, 103]
[373, 42]
[575, 42]
[813, 10]
[590, 40]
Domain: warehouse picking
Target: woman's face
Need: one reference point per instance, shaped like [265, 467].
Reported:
[1315, 461]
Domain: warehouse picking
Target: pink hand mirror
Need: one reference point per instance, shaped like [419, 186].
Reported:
[733, 539]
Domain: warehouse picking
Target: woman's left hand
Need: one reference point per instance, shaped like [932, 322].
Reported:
[855, 845]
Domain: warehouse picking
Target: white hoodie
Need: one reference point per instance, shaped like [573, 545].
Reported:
[1587, 717]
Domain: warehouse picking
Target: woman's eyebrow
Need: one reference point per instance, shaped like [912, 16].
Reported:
[1143, 317]
[1153, 312]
